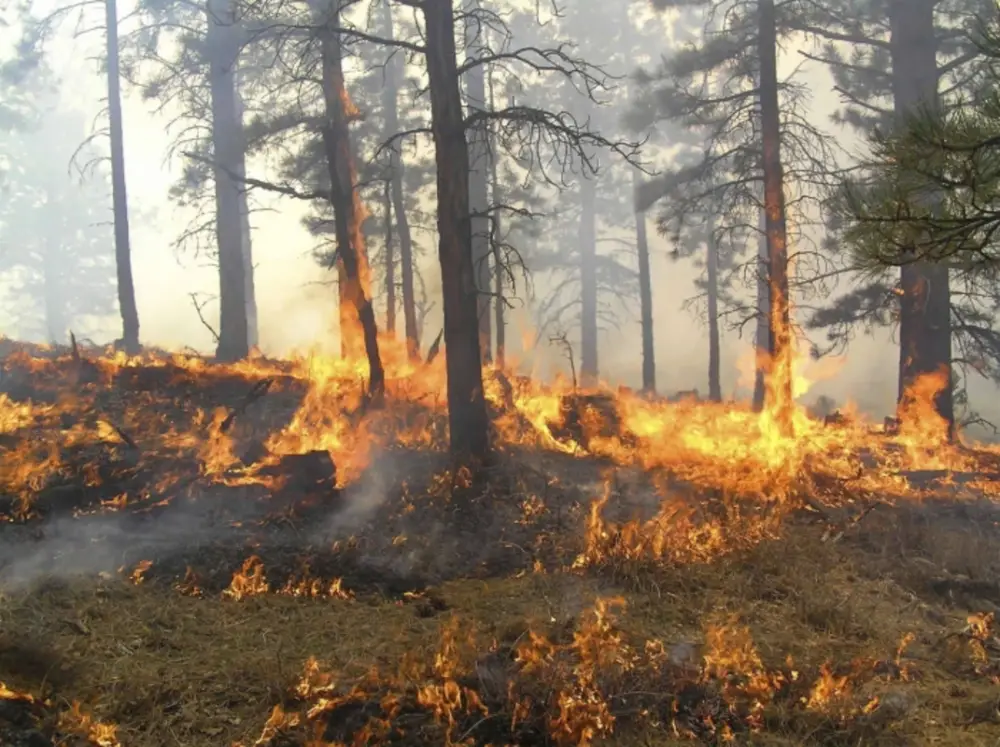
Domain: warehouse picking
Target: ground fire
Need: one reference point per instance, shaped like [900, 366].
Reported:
[244, 554]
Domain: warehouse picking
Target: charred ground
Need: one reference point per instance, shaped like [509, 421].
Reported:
[169, 594]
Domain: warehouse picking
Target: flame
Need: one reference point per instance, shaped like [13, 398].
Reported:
[718, 446]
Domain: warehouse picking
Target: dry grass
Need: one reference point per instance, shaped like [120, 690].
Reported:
[176, 670]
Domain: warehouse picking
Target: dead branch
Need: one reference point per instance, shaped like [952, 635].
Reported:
[256, 392]
[281, 189]
[567, 348]
[198, 306]
[435, 347]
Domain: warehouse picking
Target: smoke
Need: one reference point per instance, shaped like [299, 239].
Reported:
[70, 547]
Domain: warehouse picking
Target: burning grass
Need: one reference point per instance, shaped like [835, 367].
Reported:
[243, 555]
[787, 643]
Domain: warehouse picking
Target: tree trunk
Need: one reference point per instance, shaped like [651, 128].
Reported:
[123, 249]
[779, 386]
[645, 297]
[496, 231]
[390, 101]
[467, 416]
[475, 93]
[588, 281]
[498, 289]
[348, 211]
[390, 264]
[246, 236]
[714, 351]
[763, 336]
[925, 303]
[222, 44]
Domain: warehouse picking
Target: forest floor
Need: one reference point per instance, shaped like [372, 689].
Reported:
[148, 600]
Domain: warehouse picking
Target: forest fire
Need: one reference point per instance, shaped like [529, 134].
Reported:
[421, 545]
[718, 446]
[675, 490]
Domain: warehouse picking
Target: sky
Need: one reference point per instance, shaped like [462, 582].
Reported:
[296, 308]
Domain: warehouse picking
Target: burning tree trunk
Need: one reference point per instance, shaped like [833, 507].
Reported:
[714, 353]
[762, 340]
[123, 249]
[467, 416]
[475, 92]
[348, 210]
[393, 76]
[779, 385]
[925, 303]
[390, 264]
[222, 44]
[588, 280]
[246, 238]
[645, 297]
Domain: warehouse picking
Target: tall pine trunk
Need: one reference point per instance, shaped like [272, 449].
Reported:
[390, 263]
[762, 340]
[588, 280]
[390, 101]
[496, 230]
[246, 236]
[925, 303]
[467, 416]
[475, 93]
[645, 297]
[123, 250]
[222, 44]
[714, 350]
[779, 387]
[347, 207]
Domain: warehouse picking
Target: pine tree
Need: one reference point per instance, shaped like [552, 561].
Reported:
[888, 221]
[758, 141]
[922, 60]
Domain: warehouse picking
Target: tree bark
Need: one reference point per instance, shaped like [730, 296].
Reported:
[925, 303]
[475, 93]
[348, 210]
[496, 231]
[246, 235]
[390, 264]
[123, 250]
[498, 286]
[467, 415]
[714, 348]
[762, 340]
[779, 386]
[393, 76]
[645, 297]
[588, 281]
[222, 44]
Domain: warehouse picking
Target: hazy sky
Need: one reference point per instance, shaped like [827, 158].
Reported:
[296, 312]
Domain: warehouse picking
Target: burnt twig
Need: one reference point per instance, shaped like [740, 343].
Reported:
[259, 390]
[198, 306]
[567, 349]
[129, 441]
[435, 347]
